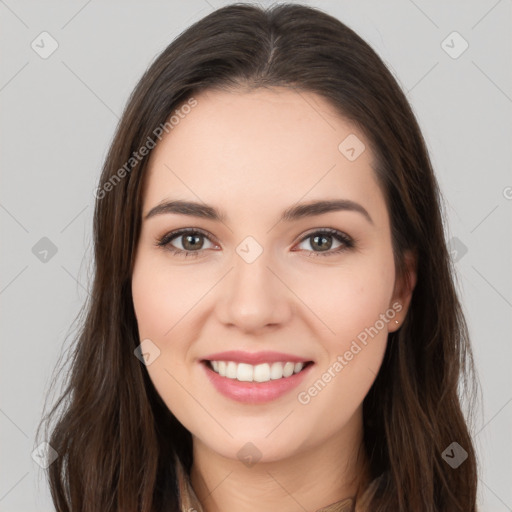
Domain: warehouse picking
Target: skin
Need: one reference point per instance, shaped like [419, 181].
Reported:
[254, 154]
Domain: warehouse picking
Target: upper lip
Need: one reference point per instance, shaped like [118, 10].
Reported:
[254, 358]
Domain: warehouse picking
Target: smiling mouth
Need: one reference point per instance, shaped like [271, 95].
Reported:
[264, 372]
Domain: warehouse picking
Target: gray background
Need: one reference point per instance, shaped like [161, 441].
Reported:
[58, 117]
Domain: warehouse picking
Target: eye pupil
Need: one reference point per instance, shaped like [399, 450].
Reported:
[192, 246]
[322, 237]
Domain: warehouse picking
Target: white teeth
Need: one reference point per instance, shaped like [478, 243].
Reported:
[244, 372]
[259, 373]
[288, 369]
[231, 370]
[276, 371]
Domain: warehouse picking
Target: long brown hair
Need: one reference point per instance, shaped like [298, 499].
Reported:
[114, 435]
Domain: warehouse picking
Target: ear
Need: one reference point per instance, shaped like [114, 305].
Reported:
[404, 287]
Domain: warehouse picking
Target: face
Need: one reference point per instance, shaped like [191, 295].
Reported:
[267, 321]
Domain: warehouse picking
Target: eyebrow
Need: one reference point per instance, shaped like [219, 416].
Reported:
[291, 214]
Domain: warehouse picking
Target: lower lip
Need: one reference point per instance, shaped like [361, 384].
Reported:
[254, 392]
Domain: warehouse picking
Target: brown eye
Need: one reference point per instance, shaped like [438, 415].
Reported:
[322, 241]
[190, 240]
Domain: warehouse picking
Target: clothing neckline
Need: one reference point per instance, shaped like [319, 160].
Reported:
[189, 500]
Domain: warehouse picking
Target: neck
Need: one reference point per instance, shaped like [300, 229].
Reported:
[307, 480]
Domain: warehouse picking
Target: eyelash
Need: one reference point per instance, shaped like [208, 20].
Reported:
[347, 242]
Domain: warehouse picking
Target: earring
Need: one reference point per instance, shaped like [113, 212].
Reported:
[397, 322]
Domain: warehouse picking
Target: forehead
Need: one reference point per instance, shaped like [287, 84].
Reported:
[267, 145]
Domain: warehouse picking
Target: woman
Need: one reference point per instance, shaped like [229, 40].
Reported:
[273, 323]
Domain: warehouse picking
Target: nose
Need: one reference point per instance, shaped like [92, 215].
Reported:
[254, 297]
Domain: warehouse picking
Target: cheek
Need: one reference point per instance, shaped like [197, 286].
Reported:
[161, 299]
[351, 298]
[160, 309]
[355, 304]
[166, 301]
